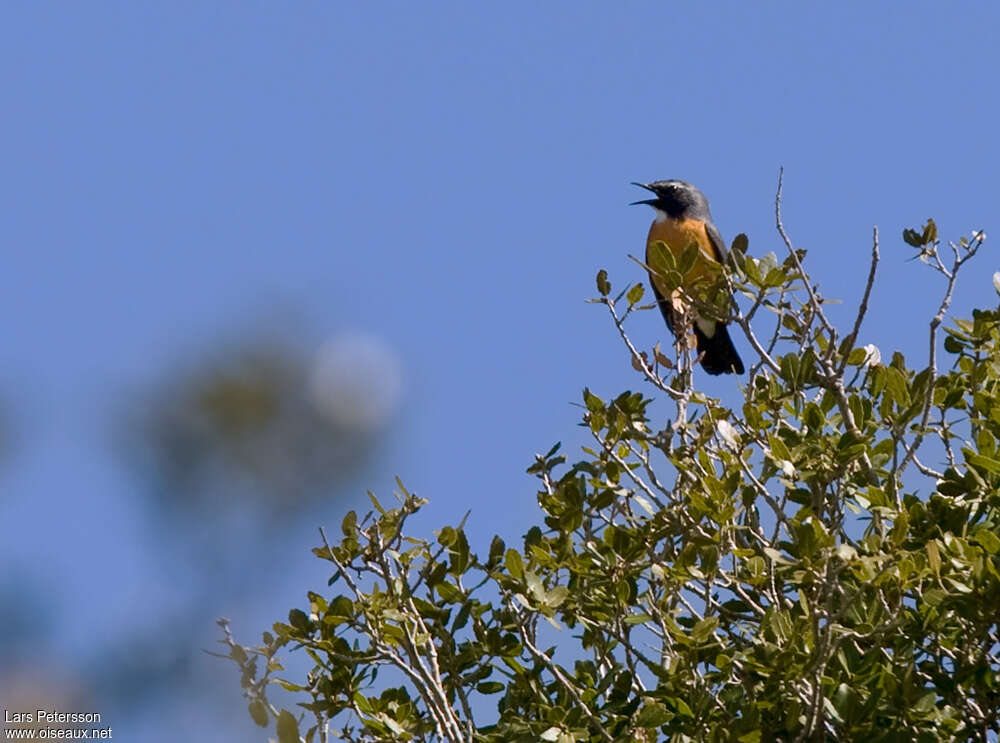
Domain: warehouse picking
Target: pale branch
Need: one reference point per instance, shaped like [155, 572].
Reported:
[863, 308]
[564, 681]
[831, 379]
[637, 357]
[643, 457]
[609, 449]
[960, 259]
[255, 688]
[743, 320]
[762, 352]
[779, 316]
[925, 470]
[946, 439]
[428, 686]
[813, 299]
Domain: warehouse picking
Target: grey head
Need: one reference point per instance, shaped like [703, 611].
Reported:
[677, 199]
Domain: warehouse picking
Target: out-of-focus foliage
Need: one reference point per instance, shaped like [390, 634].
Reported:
[267, 419]
[232, 448]
[821, 562]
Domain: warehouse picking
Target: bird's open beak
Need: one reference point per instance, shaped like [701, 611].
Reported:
[650, 202]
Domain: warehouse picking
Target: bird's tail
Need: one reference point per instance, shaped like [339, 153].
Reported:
[718, 352]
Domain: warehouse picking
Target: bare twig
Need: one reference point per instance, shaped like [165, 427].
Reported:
[558, 673]
[813, 299]
[952, 275]
[426, 679]
[863, 309]
[637, 356]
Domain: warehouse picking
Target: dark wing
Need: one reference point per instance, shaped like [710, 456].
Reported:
[664, 305]
[716, 239]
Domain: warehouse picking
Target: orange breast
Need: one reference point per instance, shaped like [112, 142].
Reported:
[678, 234]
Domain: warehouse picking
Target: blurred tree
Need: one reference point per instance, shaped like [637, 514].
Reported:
[234, 447]
[792, 569]
[267, 420]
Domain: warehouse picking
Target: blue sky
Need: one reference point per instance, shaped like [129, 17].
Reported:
[448, 177]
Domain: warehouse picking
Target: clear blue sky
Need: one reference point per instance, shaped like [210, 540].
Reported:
[448, 177]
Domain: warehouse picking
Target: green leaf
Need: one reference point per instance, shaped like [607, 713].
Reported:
[489, 687]
[535, 585]
[813, 417]
[703, 629]
[652, 715]
[912, 237]
[459, 555]
[857, 356]
[933, 556]
[689, 256]
[927, 235]
[288, 728]
[339, 611]
[557, 596]
[603, 285]
[447, 536]
[299, 620]
[776, 556]
[375, 504]
[681, 706]
[258, 712]
[449, 593]
[790, 369]
[985, 463]
[514, 564]
[930, 233]
[926, 702]
[989, 541]
[661, 260]
[740, 244]
[775, 277]
[752, 272]
[896, 384]
[634, 295]
[349, 526]
[593, 402]
[778, 448]
[497, 547]
[638, 618]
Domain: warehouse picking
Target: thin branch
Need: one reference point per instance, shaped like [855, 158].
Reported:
[935, 323]
[559, 675]
[637, 357]
[813, 299]
[925, 470]
[765, 357]
[863, 309]
[744, 322]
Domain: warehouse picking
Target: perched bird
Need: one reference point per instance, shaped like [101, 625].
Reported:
[682, 219]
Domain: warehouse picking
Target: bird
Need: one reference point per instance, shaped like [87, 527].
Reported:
[682, 218]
